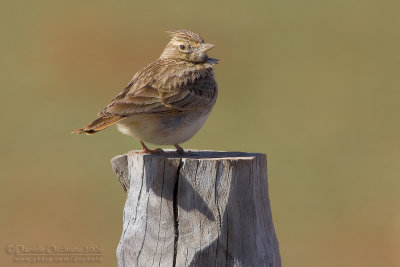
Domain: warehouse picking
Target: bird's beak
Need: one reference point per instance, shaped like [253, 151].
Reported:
[206, 47]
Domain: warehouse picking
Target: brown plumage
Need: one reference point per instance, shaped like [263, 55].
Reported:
[166, 95]
[99, 124]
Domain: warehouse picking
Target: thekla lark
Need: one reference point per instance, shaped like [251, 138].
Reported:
[168, 101]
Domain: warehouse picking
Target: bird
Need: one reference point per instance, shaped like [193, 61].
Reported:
[167, 101]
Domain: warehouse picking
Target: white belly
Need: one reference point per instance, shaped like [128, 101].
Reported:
[162, 130]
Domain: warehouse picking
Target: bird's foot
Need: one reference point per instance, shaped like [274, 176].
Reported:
[179, 150]
[146, 150]
[152, 151]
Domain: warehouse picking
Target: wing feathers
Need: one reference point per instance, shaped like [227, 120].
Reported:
[163, 95]
[99, 124]
[162, 87]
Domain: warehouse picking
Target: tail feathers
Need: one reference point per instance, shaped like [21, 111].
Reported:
[99, 124]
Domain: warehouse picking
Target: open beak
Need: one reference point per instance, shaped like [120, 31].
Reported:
[206, 47]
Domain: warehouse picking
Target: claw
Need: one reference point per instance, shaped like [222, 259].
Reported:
[179, 150]
[152, 151]
[146, 150]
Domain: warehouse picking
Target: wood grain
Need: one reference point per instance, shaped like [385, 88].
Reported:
[205, 208]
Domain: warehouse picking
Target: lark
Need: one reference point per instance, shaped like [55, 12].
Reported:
[167, 101]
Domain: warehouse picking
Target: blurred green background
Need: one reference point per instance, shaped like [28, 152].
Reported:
[313, 84]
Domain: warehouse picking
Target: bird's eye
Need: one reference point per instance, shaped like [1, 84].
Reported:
[182, 47]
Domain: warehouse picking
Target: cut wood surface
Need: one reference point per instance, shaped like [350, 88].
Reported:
[205, 208]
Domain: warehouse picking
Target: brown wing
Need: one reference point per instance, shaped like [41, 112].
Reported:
[192, 96]
[99, 124]
[196, 92]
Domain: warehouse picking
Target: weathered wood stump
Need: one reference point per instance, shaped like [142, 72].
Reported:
[205, 208]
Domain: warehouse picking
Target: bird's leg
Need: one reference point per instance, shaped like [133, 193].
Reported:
[146, 150]
[179, 150]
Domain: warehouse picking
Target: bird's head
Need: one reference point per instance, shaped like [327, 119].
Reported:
[187, 46]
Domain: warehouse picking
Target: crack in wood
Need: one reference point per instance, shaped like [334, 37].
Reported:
[168, 222]
[217, 206]
[217, 177]
[175, 211]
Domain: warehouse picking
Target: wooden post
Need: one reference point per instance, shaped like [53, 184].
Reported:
[205, 208]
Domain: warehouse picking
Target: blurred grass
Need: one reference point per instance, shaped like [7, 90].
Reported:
[314, 84]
